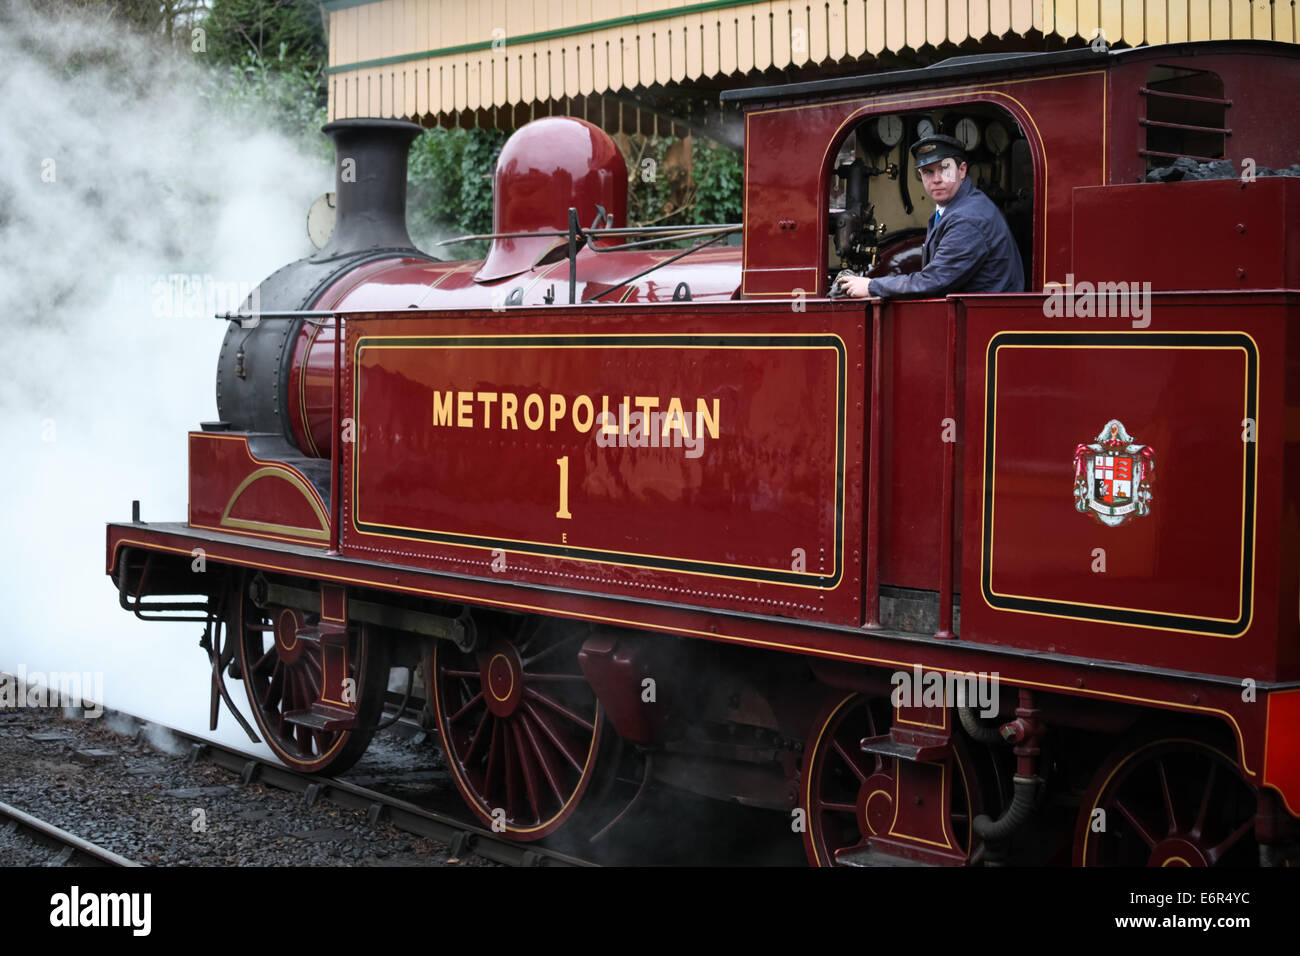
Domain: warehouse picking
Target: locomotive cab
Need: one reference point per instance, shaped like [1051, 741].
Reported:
[877, 210]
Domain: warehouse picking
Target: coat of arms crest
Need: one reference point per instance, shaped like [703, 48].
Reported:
[1113, 475]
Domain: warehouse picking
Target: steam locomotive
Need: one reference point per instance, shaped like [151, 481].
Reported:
[981, 579]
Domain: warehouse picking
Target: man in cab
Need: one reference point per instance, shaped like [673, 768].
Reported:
[968, 246]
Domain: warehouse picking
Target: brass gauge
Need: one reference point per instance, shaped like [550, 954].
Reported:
[996, 138]
[967, 132]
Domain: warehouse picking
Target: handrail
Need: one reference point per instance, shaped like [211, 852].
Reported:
[336, 446]
[1147, 91]
[871, 600]
[703, 229]
[948, 502]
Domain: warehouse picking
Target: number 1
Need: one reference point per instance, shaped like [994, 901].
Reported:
[564, 487]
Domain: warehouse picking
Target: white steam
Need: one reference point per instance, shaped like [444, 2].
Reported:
[119, 176]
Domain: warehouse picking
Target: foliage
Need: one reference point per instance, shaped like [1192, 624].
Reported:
[268, 56]
[718, 178]
[661, 192]
[449, 188]
[288, 33]
[655, 188]
[172, 19]
[284, 93]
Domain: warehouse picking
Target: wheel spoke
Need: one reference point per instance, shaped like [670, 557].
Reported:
[862, 777]
[546, 652]
[275, 683]
[555, 677]
[512, 772]
[526, 769]
[559, 708]
[1168, 797]
[552, 736]
[538, 754]
[492, 762]
[464, 710]
[527, 634]
[478, 734]
[263, 659]
[1203, 810]
[839, 807]
[451, 673]
[1136, 824]
[301, 698]
[312, 680]
[1214, 854]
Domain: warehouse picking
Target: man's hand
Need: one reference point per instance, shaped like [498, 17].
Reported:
[855, 286]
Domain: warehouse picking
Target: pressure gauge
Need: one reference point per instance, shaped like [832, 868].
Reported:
[968, 133]
[924, 127]
[997, 138]
[889, 130]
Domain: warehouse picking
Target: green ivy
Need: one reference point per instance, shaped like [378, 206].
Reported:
[659, 194]
[718, 178]
[449, 189]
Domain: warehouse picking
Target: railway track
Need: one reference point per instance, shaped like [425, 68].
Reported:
[460, 836]
[70, 849]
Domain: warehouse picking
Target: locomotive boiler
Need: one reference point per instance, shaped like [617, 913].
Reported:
[978, 579]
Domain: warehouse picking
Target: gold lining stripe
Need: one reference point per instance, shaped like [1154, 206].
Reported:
[302, 389]
[898, 802]
[1241, 596]
[382, 582]
[283, 473]
[838, 558]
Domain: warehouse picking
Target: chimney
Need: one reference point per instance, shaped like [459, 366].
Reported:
[369, 185]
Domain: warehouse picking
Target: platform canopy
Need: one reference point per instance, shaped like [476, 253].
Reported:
[650, 64]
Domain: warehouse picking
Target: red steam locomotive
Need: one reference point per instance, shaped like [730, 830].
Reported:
[981, 579]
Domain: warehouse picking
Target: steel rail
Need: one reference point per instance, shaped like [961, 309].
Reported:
[459, 835]
[75, 850]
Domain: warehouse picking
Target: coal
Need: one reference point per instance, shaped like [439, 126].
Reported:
[1186, 169]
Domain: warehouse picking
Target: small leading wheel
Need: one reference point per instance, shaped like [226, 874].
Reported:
[521, 728]
[283, 675]
[849, 794]
[1165, 800]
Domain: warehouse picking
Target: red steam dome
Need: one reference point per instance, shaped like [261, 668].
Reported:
[546, 167]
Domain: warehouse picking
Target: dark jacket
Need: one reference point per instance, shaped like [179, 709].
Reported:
[970, 249]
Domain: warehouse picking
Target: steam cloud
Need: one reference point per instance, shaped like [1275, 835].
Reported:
[119, 177]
